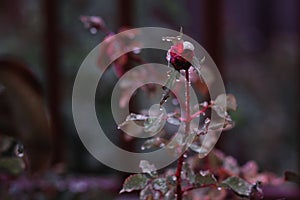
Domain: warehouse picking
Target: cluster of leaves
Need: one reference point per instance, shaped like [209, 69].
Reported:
[221, 172]
[217, 182]
[12, 160]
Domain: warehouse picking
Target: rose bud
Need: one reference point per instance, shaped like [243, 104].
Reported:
[180, 55]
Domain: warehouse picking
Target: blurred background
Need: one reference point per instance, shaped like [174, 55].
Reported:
[255, 45]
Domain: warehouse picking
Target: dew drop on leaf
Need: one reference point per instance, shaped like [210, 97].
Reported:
[175, 102]
[207, 120]
[204, 104]
[162, 145]
[136, 50]
[204, 173]
[19, 150]
[93, 30]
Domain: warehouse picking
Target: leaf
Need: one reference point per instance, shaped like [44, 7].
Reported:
[176, 141]
[5, 142]
[256, 191]
[202, 60]
[154, 124]
[179, 143]
[250, 169]
[153, 142]
[239, 186]
[173, 118]
[173, 75]
[171, 180]
[170, 195]
[219, 106]
[134, 117]
[292, 177]
[93, 23]
[147, 193]
[197, 64]
[196, 148]
[160, 184]
[230, 165]
[188, 172]
[204, 178]
[231, 102]
[14, 166]
[204, 128]
[148, 168]
[134, 182]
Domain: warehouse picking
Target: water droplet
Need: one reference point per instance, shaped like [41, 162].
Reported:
[19, 150]
[205, 104]
[93, 30]
[136, 50]
[204, 173]
[142, 148]
[168, 194]
[119, 127]
[156, 195]
[185, 155]
[162, 145]
[174, 178]
[203, 114]
[207, 120]
[240, 184]
[20, 155]
[175, 102]
[219, 188]
[177, 79]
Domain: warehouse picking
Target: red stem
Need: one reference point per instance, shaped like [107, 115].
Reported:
[178, 177]
[179, 191]
[196, 114]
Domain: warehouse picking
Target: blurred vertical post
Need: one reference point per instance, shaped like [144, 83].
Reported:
[125, 20]
[298, 61]
[213, 31]
[53, 75]
[125, 13]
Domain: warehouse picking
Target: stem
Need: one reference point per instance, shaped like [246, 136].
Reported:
[187, 102]
[178, 178]
[179, 191]
[200, 112]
